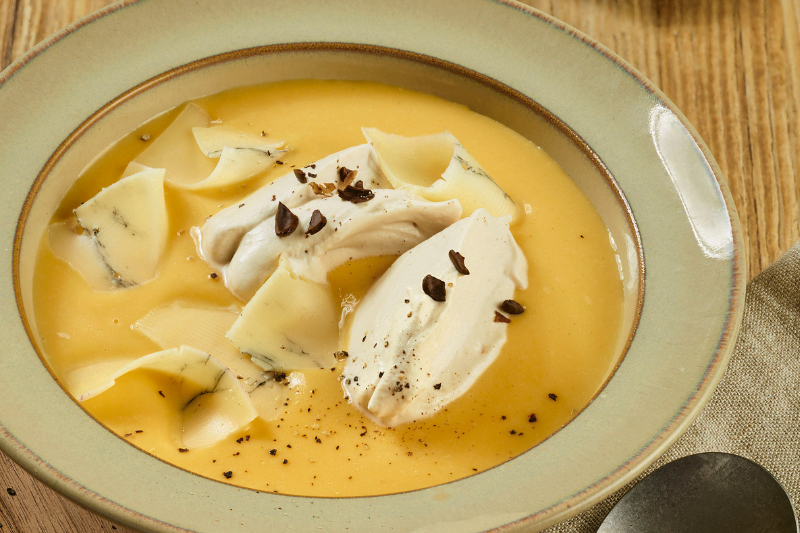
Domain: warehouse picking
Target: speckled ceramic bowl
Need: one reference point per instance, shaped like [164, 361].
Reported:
[626, 146]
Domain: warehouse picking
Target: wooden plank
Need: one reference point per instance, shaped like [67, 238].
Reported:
[38, 19]
[730, 66]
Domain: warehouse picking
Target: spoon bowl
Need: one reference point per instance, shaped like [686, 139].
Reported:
[708, 493]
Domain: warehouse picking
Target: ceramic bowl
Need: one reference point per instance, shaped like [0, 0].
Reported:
[626, 146]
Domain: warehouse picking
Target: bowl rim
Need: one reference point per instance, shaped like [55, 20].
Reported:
[55, 479]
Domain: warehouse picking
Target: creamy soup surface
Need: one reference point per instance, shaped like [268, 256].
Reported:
[557, 356]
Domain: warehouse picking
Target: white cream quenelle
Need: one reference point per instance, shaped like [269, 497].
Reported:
[389, 224]
[221, 234]
[409, 354]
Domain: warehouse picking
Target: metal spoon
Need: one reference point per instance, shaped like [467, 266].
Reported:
[705, 493]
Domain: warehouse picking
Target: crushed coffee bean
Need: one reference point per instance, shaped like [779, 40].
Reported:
[501, 318]
[324, 189]
[346, 176]
[356, 193]
[316, 223]
[532, 418]
[434, 288]
[458, 261]
[437, 386]
[552, 396]
[512, 307]
[340, 355]
[11, 492]
[228, 474]
[273, 451]
[285, 221]
[183, 450]
[300, 175]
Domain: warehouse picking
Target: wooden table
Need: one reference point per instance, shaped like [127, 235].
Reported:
[731, 66]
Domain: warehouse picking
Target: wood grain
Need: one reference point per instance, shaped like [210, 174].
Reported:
[731, 66]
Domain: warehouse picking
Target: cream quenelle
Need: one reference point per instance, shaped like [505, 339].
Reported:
[390, 223]
[222, 233]
[413, 351]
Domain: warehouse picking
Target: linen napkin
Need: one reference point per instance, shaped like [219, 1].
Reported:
[755, 411]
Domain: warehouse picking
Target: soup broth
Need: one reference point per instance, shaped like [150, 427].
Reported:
[557, 356]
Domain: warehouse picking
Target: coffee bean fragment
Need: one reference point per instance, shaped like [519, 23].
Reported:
[501, 318]
[434, 288]
[437, 386]
[285, 221]
[228, 474]
[356, 193]
[458, 261]
[316, 223]
[300, 175]
[512, 307]
[323, 189]
[346, 176]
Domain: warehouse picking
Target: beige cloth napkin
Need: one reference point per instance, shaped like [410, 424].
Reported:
[755, 411]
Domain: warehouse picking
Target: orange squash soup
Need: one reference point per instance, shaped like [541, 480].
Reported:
[557, 355]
